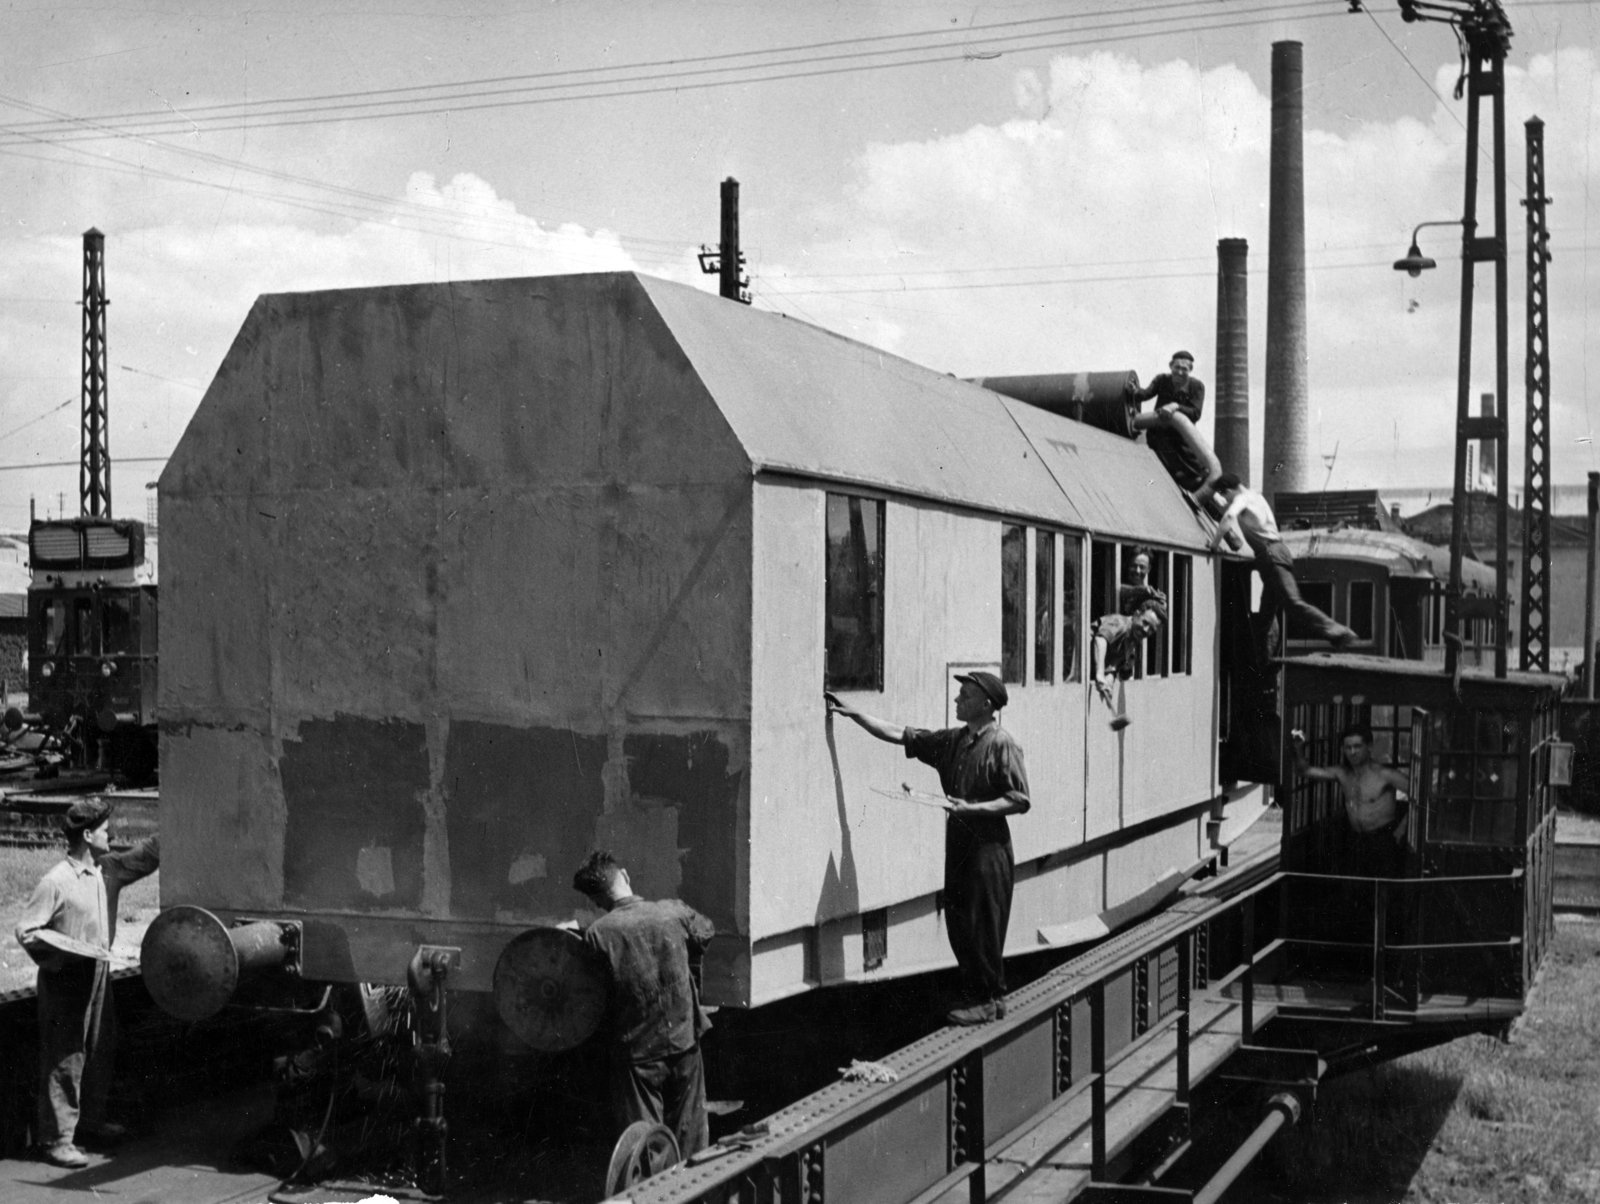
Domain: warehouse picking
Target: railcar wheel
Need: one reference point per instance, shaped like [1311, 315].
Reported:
[549, 989]
[643, 1150]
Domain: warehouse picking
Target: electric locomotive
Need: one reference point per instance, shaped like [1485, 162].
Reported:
[92, 624]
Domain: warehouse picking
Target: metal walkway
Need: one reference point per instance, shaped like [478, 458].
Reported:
[1088, 1077]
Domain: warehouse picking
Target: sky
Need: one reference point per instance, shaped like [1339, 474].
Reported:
[985, 189]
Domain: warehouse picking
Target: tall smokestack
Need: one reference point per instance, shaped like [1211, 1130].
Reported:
[1283, 457]
[1232, 362]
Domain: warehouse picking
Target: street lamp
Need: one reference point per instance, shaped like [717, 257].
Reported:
[1415, 262]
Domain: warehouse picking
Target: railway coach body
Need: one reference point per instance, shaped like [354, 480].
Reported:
[466, 579]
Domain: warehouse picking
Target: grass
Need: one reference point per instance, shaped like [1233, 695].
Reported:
[20, 870]
[1476, 1121]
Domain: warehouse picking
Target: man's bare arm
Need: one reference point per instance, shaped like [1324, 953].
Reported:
[1305, 768]
[893, 733]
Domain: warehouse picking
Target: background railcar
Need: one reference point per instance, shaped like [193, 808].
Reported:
[475, 577]
[92, 640]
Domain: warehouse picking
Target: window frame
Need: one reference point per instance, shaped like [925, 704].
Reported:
[877, 588]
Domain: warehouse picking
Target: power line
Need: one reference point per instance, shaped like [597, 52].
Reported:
[74, 463]
[238, 107]
[680, 81]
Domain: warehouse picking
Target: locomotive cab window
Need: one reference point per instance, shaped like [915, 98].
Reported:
[116, 626]
[86, 628]
[54, 626]
[1474, 759]
[854, 623]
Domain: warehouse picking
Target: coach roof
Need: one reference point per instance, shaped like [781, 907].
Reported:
[803, 400]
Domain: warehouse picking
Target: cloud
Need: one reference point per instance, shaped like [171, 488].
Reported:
[180, 290]
[1118, 179]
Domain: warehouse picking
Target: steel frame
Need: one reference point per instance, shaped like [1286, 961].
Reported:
[952, 1080]
[94, 448]
[1536, 471]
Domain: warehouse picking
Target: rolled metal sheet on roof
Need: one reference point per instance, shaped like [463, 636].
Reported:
[803, 400]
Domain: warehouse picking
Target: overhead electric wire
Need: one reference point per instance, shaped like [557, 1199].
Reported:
[362, 202]
[682, 81]
[236, 107]
[353, 211]
[358, 205]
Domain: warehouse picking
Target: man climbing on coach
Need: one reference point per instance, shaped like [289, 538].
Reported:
[1172, 427]
[982, 774]
[1247, 518]
[67, 928]
[655, 1017]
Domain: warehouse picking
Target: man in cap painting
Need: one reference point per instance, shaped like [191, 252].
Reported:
[982, 774]
[67, 928]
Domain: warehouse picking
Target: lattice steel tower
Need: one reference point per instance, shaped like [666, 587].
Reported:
[1536, 488]
[94, 448]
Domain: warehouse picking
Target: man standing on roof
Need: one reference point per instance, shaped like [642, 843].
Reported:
[1172, 428]
[982, 774]
[67, 928]
[1248, 519]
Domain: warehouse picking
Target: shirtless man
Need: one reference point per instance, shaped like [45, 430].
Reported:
[1376, 840]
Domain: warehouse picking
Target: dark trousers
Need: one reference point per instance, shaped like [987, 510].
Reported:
[1282, 595]
[666, 1091]
[978, 876]
[77, 1045]
[1372, 854]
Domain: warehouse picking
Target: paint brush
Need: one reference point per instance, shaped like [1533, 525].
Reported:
[915, 796]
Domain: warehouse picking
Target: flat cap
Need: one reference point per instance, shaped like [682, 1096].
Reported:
[989, 684]
[85, 815]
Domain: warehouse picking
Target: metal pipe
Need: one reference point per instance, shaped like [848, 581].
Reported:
[1588, 596]
[1460, 501]
[1281, 1108]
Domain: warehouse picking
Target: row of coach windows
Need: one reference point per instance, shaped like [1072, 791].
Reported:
[1046, 650]
[1057, 559]
[1120, 573]
[1360, 613]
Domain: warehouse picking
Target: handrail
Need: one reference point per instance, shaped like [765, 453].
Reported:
[962, 1060]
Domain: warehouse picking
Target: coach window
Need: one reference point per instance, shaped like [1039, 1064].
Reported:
[1360, 619]
[1155, 648]
[1071, 600]
[854, 633]
[1044, 602]
[1320, 595]
[1181, 621]
[1013, 602]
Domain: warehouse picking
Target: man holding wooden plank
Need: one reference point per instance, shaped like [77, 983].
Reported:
[67, 928]
[982, 774]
